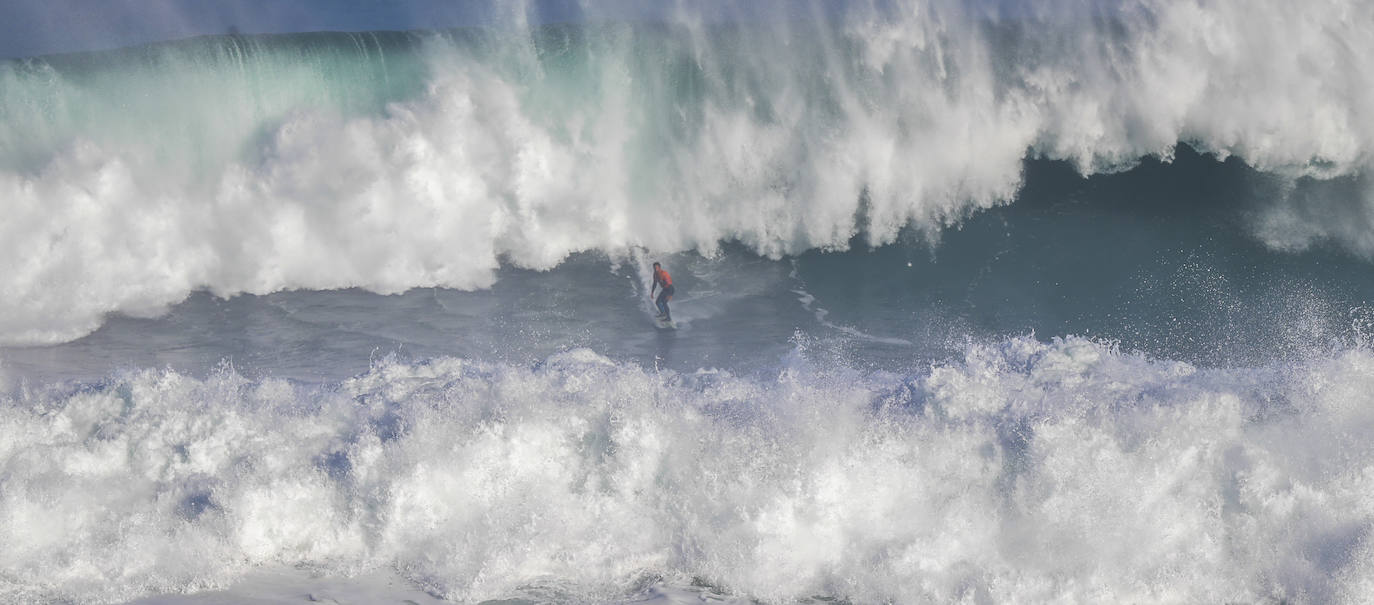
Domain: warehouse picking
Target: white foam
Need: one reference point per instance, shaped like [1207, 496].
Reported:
[230, 171]
[1061, 471]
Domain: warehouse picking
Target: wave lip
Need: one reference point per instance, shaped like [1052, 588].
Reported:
[1062, 470]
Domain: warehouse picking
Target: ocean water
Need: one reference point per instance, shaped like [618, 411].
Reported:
[976, 302]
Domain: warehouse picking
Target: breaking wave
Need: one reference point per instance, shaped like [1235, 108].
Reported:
[396, 160]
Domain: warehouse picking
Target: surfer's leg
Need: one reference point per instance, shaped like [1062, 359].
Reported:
[663, 299]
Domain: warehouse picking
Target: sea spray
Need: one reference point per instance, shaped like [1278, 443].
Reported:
[1023, 470]
[257, 164]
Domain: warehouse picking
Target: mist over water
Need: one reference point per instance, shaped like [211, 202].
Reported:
[974, 302]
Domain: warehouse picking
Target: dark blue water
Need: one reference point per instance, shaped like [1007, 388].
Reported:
[1156, 259]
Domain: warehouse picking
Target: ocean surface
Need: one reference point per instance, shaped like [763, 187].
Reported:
[976, 301]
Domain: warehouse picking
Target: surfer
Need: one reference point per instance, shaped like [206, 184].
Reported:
[661, 278]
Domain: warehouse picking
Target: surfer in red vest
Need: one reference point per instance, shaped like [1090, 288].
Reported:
[661, 278]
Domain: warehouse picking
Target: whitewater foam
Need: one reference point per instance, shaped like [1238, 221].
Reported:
[1024, 471]
[240, 164]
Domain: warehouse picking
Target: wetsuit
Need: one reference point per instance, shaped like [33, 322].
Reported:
[661, 278]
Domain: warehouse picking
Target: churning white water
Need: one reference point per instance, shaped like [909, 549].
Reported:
[975, 302]
[1024, 471]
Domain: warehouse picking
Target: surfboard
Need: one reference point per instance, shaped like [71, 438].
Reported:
[664, 324]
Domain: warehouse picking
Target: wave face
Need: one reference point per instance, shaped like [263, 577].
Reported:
[388, 161]
[587, 479]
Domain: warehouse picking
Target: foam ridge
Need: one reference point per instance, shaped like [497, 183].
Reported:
[1024, 470]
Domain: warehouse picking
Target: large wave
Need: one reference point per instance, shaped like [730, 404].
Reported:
[390, 161]
[1022, 471]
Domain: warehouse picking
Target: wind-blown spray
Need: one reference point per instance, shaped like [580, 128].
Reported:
[391, 161]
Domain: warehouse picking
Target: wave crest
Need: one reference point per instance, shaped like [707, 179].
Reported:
[240, 164]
